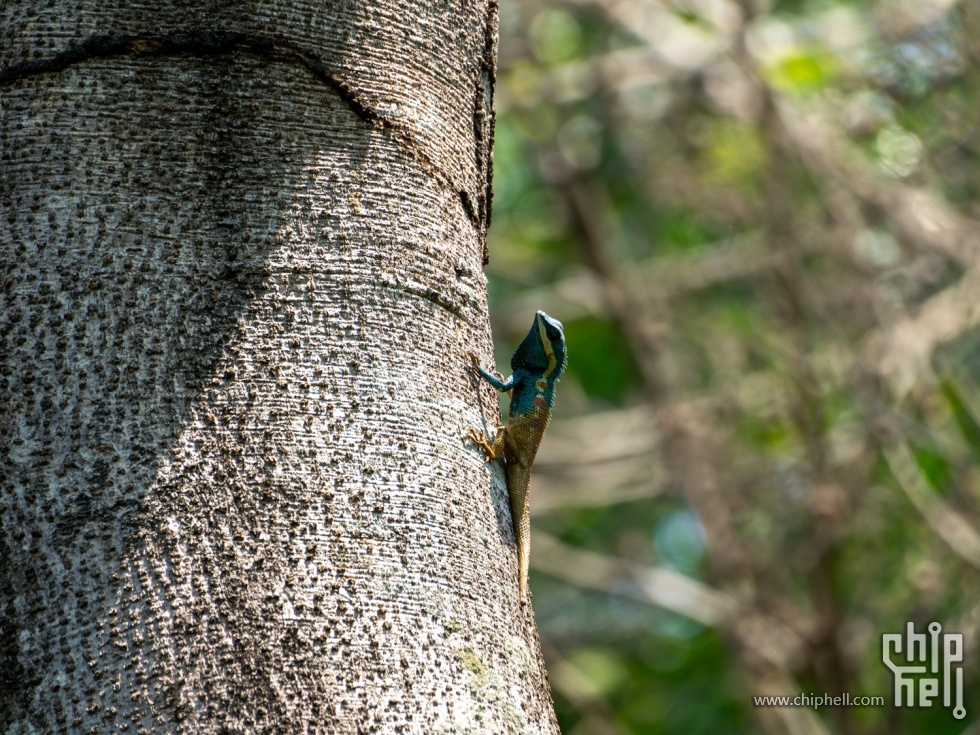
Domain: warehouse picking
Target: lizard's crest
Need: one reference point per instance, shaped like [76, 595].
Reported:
[543, 350]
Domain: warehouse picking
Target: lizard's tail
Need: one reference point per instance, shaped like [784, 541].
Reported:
[523, 521]
[522, 561]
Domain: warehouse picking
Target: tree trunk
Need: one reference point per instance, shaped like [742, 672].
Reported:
[242, 250]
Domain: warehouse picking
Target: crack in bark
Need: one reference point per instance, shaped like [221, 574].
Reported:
[199, 42]
[430, 295]
[485, 117]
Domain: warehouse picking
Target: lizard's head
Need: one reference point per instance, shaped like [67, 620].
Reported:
[543, 349]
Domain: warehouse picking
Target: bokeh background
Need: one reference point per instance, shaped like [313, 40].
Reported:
[759, 224]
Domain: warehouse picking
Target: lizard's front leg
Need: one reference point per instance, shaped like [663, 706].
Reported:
[495, 379]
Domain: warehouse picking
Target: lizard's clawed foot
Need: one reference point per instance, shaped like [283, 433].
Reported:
[480, 439]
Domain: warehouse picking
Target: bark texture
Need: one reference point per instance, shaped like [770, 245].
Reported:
[241, 248]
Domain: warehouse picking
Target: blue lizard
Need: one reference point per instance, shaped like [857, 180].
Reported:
[537, 366]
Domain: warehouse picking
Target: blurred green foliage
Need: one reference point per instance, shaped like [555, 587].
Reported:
[758, 222]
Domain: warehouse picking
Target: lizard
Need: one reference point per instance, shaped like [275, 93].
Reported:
[537, 365]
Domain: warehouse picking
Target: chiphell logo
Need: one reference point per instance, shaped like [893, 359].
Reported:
[934, 654]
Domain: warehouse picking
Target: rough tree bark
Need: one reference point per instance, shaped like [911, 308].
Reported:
[242, 249]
